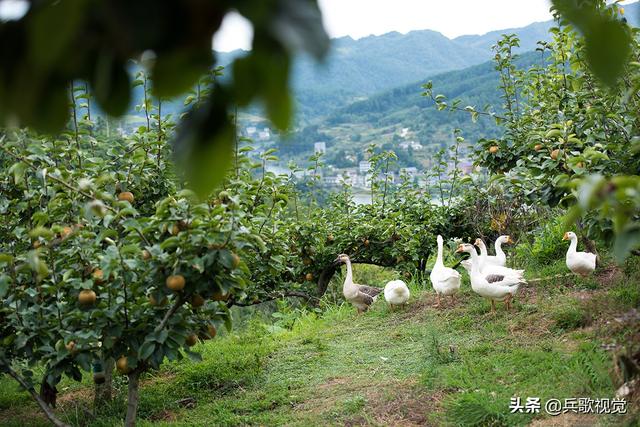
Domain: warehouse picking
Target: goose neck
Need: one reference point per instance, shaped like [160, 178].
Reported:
[574, 244]
[348, 280]
[439, 259]
[498, 246]
[483, 250]
[475, 261]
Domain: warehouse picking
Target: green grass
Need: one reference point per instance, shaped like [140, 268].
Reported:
[458, 365]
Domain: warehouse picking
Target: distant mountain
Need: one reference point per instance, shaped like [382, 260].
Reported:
[529, 36]
[380, 119]
[360, 68]
[357, 69]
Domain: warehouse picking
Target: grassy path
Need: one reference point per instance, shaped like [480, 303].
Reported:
[456, 365]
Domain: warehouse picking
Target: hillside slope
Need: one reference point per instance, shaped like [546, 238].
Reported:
[416, 366]
[379, 119]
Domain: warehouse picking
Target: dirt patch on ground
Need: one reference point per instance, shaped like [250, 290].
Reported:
[428, 302]
[567, 420]
[73, 397]
[526, 295]
[81, 398]
[334, 382]
[405, 404]
[534, 326]
[27, 415]
[416, 309]
[165, 415]
[609, 275]
[395, 402]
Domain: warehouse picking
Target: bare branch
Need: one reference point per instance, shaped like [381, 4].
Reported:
[41, 403]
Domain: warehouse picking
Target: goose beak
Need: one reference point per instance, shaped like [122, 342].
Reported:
[477, 242]
[509, 240]
[566, 236]
[337, 260]
[460, 249]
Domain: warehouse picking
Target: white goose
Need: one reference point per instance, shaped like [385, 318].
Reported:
[500, 258]
[445, 280]
[580, 263]
[361, 296]
[466, 263]
[396, 292]
[488, 268]
[494, 269]
[494, 287]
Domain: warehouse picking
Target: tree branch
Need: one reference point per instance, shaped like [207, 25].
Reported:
[41, 403]
[176, 305]
[274, 297]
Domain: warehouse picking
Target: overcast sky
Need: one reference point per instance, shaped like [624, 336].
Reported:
[360, 18]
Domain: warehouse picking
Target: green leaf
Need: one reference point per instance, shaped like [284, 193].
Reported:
[196, 357]
[146, 350]
[4, 285]
[48, 39]
[226, 258]
[607, 39]
[17, 170]
[553, 133]
[625, 242]
[177, 71]
[297, 25]
[608, 46]
[111, 84]
[170, 242]
[204, 143]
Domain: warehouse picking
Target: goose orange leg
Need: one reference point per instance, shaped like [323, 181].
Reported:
[493, 306]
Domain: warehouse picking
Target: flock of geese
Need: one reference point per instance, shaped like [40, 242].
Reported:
[489, 274]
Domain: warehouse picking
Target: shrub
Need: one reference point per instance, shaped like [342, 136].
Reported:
[547, 245]
[570, 317]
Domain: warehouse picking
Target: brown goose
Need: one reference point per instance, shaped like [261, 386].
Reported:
[361, 296]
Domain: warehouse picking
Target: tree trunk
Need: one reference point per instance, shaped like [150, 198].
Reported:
[588, 243]
[325, 278]
[103, 392]
[132, 399]
[591, 247]
[48, 393]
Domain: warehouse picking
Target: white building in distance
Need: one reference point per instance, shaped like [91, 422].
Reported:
[411, 172]
[319, 147]
[414, 145]
[264, 135]
[364, 166]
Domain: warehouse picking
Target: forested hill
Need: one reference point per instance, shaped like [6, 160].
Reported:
[357, 69]
[380, 118]
[528, 35]
[360, 68]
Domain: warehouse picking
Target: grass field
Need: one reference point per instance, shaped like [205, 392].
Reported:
[456, 365]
